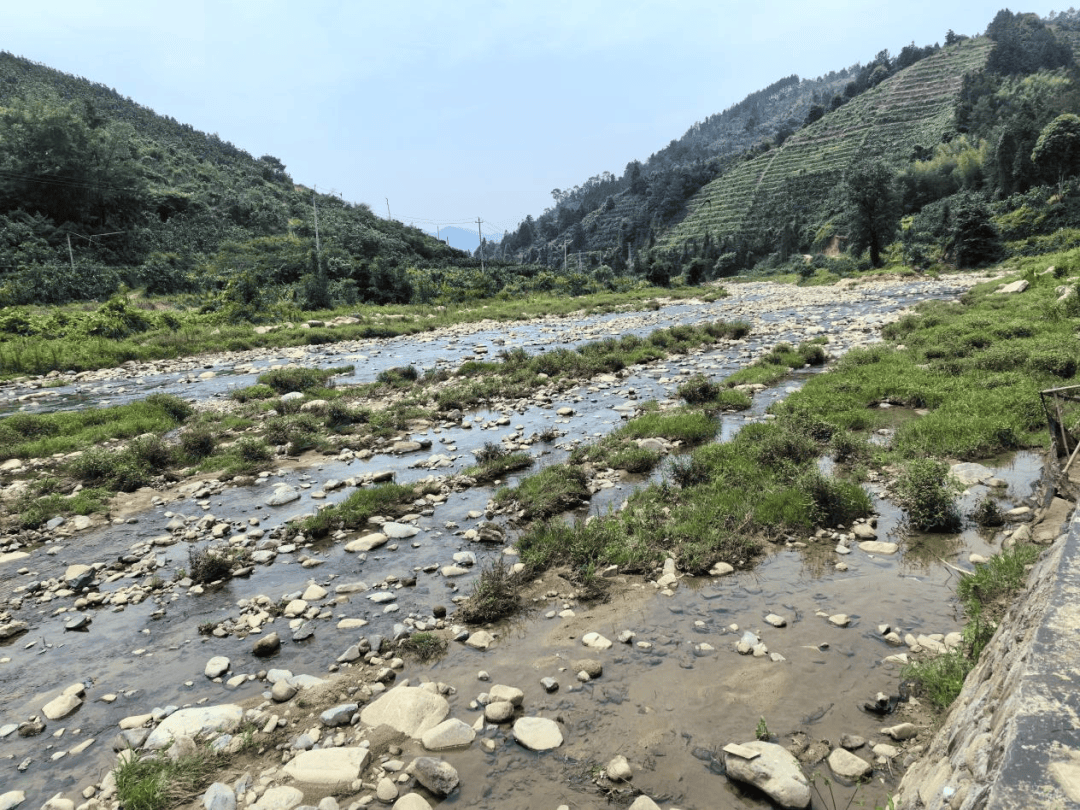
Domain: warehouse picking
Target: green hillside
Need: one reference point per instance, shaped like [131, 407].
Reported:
[913, 108]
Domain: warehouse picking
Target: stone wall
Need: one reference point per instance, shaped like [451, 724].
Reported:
[1012, 739]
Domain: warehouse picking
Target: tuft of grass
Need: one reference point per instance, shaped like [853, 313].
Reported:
[493, 597]
[423, 646]
[498, 465]
[987, 513]
[927, 493]
[284, 380]
[551, 491]
[985, 594]
[209, 565]
[157, 782]
[355, 510]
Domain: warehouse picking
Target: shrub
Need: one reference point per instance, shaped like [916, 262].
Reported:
[253, 392]
[253, 450]
[927, 492]
[197, 442]
[152, 451]
[208, 565]
[987, 513]
[833, 500]
[699, 389]
[398, 376]
[173, 406]
[424, 646]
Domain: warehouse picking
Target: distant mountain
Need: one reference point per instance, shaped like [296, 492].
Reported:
[460, 238]
[766, 178]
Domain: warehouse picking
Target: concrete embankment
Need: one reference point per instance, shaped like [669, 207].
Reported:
[1012, 738]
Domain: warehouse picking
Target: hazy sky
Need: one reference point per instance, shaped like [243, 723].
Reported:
[459, 110]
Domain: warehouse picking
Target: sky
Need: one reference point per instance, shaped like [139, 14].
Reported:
[442, 113]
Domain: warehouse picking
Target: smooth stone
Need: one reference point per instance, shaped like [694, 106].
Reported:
[282, 495]
[510, 694]
[411, 801]
[878, 547]
[452, 733]
[499, 711]
[849, 766]
[267, 645]
[864, 531]
[538, 733]
[328, 768]
[969, 473]
[61, 706]
[480, 640]
[11, 799]
[195, 721]
[219, 796]
[595, 641]
[338, 715]
[840, 620]
[409, 710]
[313, 593]
[775, 620]
[619, 770]
[216, 667]
[399, 531]
[902, 731]
[721, 569]
[279, 798]
[643, 802]
[386, 791]
[369, 542]
[774, 771]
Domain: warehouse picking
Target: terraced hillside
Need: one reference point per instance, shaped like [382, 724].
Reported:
[913, 107]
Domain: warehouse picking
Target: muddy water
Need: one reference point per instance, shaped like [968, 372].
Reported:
[665, 707]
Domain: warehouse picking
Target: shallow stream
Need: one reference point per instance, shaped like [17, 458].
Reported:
[664, 701]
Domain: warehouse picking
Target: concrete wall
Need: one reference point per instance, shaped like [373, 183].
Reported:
[1012, 739]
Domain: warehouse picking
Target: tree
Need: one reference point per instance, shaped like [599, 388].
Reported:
[869, 197]
[974, 239]
[1057, 152]
[816, 112]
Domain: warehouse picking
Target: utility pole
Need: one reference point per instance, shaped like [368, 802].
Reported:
[315, 208]
[387, 207]
[564, 244]
[481, 235]
[71, 254]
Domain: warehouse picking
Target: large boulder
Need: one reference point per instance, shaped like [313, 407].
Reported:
[773, 770]
[407, 709]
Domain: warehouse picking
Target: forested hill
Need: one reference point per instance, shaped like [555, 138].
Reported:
[777, 175]
[144, 199]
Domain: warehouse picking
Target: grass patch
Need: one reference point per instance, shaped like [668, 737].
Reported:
[355, 510]
[493, 597]
[495, 462]
[986, 594]
[157, 782]
[928, 494]
[285, 380]
[423, 646]
[24, 435]
[779, 363]
[551, 491]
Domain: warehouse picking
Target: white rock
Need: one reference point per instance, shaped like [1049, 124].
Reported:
[849, 766]
[279, 798]
[193, 722]
[775, 771]
[878, 547]
[411, 801]
[11, 799]
[407, 709]
[538, 733]
[216, 667]
[327, 768]
[61, 706]
[595, 641]
[452, 733]
[399, 531]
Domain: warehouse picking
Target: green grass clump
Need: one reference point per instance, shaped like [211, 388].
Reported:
[253, 393]
[355, 510]
[25, 435]
[493, 597]
[423, 646]
[285, 380]
[158, 782]
[399, 376]
[496, 462]
[778, 364]
[986, 594]
[41, 502]
[551, 491]
[928, 494]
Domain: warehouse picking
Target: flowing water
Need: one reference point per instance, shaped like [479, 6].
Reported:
[665, 701]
